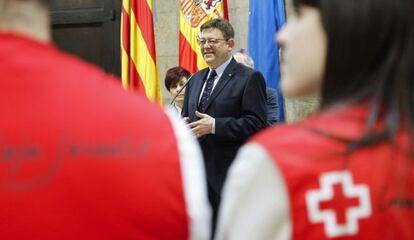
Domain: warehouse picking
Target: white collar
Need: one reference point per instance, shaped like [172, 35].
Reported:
[220, 69]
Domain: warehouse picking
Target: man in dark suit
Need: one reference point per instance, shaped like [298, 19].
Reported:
[224, 104]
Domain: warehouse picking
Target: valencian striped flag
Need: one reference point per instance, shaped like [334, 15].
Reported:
[193, 13]
[139, 59]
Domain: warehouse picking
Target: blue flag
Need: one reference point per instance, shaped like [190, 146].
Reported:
[266, 18]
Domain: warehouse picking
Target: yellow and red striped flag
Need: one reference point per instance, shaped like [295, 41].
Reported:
[193, 13]
[139, 59]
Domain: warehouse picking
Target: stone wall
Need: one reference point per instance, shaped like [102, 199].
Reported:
[166, 36]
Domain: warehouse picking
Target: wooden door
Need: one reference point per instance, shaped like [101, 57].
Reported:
[89, 29]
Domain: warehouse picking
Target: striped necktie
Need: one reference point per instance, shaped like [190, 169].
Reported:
[207, 91]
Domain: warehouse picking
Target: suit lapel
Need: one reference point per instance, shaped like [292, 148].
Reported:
[224, 79]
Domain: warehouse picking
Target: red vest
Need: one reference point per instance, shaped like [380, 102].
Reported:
[79, 157]
[368, 194]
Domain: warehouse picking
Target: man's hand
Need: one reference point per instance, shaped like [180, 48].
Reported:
[186, 120]
[203, 126]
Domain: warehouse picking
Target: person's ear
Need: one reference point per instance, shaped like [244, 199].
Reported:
[231, 43]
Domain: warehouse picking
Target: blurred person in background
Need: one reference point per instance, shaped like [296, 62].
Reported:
[272, 106]
[174, 81]
[347, 172]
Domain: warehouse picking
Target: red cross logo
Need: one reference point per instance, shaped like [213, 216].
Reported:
[349, 203]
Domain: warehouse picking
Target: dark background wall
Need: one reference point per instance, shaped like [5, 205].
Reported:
[89, 29]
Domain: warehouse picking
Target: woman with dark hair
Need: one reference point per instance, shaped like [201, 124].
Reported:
[347, 171]
[175, 79]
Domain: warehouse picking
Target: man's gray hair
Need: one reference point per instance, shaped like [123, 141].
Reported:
[247, 60]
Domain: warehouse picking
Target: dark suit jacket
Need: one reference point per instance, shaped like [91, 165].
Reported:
[238, 104]
[272, 106]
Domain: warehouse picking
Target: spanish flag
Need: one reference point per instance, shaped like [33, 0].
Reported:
[139, 59]
[193, 13]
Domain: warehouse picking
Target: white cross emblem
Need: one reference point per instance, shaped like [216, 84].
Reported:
[328, 216]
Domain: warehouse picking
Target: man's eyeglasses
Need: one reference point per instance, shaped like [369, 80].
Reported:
[211, 41]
